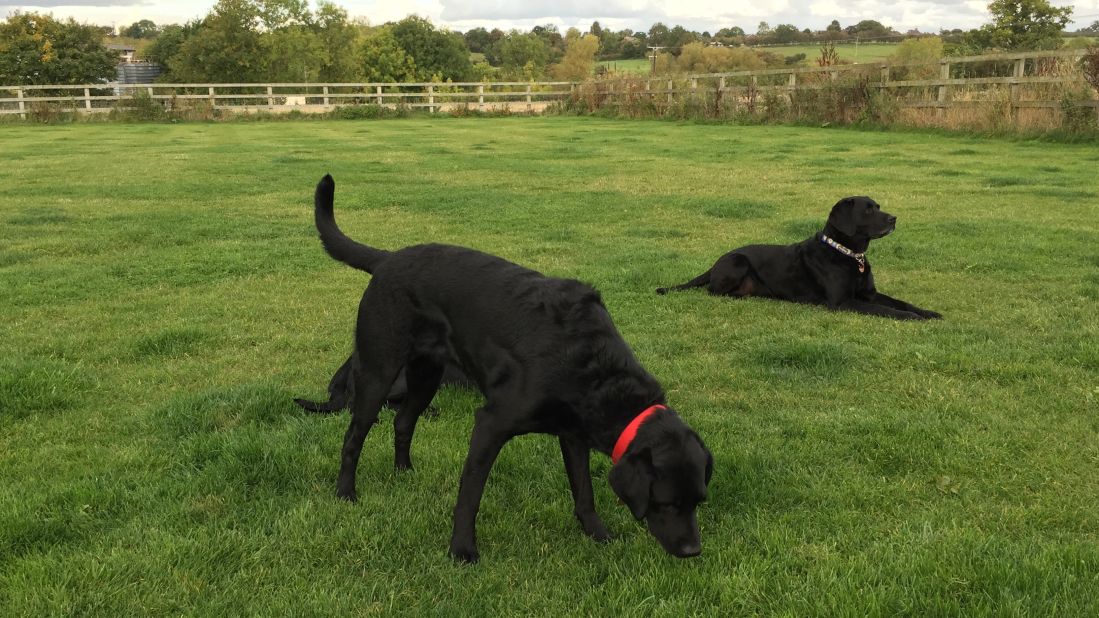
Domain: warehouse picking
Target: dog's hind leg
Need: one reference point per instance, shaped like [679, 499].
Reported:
[423, 375]
[732, 276]
[372, 381]
[576, 456]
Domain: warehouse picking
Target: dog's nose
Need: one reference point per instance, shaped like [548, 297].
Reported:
[689, 550]
[892, 220]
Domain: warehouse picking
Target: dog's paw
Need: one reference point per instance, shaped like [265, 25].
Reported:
[344, 493]
[601, 536]
[662, 291]
[932, 315]
[464, 554]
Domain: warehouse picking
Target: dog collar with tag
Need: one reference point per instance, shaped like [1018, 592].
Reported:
[630, 432]
[858, 257]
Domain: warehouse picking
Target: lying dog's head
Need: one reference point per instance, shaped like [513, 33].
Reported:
[861, 217]
[662, 478]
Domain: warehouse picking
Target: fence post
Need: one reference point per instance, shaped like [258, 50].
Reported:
[22, 105]
[1017, 74]
[481, 97]
[694, 86]
[884, 74]
[378, 91]
[530, 107]
[671, 84]
[431, 98]
[325, 91]
[944, 89]
[88, 99]
[213, 100]
[270, 100]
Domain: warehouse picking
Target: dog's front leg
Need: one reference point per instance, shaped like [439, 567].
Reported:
[577, 456]
[895, 303]
[868, 308]
[484, 446]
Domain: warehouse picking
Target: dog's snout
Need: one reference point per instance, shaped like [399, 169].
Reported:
[892, 220]
[689, 550]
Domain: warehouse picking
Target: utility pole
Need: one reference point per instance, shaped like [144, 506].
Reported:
[652, 66]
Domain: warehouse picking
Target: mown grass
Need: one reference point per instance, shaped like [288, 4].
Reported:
[163, 296]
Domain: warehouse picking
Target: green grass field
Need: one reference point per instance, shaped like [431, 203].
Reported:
[863, 52]
[163, 296]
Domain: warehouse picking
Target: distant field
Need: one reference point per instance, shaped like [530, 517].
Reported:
[160, 308]
[864, 52]
[633, 65]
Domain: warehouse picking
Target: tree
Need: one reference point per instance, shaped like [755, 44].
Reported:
[384, 60]
[37, 49]
[144, 29]
[478, 40]
[869, 29]
[338, 39]
[763, 28]
[1021, 25]
[226, 47]
[579, 57]
[658, 35]
[1092, 29]
[698, 58]
[523, 55]
[834, 26]
[785, 33]
[924, 52]
[437, 53]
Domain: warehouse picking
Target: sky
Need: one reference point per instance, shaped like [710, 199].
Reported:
[699, 15]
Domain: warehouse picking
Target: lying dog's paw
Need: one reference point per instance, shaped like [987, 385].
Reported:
[347, 494]
[931, 315]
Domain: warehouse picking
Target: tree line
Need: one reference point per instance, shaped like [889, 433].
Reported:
[285, 41]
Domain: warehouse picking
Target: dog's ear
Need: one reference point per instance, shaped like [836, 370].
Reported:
[631, 479]
[842, 216]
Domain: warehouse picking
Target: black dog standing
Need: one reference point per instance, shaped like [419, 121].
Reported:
[829, 268]
[548, 359]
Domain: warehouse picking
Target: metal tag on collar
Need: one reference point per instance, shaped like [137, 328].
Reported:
[862, 263]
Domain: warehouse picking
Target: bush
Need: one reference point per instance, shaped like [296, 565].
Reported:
[141, 107]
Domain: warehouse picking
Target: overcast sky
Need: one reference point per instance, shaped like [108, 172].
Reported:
[700, 15]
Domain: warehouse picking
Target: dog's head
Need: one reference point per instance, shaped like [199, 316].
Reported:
[861, 217]
[663, 478]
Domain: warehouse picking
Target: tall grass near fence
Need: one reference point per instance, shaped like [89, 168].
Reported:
[1028, 95]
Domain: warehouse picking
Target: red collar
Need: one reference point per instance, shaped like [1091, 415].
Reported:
[630, 432]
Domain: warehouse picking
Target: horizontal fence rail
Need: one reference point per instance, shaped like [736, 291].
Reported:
[1015, 78]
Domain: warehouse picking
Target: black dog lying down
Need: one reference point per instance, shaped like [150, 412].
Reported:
[548, 359]
[829, 268]
[342, 384]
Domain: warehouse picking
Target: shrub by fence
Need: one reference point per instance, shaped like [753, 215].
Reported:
[1027, 91]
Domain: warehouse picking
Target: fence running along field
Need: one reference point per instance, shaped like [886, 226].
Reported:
[284, 97]
[1013, 84]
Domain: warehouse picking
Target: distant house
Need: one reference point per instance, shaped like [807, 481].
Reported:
[126, 53]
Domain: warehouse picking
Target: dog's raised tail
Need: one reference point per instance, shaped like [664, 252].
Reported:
[336, 243]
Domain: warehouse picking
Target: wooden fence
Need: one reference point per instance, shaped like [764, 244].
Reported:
[1020, 85]
[1019, 81]
[309, 98]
